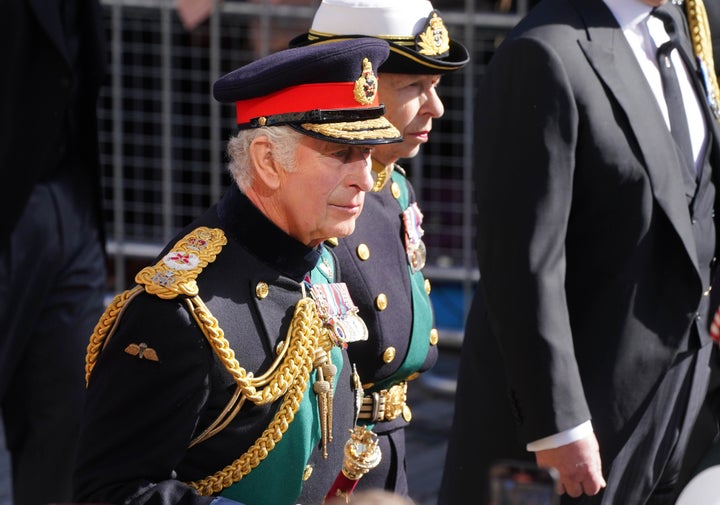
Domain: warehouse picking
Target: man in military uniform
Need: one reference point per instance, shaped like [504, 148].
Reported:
[382, 261]
[221, 377]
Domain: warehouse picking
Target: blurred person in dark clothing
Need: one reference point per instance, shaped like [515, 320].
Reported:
[52, 259]
[587, 346]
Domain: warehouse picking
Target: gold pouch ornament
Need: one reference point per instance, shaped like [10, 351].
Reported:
[362, 454]
[339, 313]
[414, 246]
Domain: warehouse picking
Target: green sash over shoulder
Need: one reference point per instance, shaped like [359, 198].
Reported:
[278, 478]
[422, 311]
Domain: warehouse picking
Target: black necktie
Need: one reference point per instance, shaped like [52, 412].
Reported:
[671, 88]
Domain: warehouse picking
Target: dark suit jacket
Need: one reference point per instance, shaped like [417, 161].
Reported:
[35, 99]
[593, 271]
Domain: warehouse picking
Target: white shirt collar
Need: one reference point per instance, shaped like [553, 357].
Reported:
[628, 13]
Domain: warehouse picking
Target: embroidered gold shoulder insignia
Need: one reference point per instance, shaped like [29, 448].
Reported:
[176, 273]
[142, 351]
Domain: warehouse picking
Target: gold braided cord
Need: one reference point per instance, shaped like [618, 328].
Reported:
[223, 419]
[105, 327]
[702, 40]
[305, 329]
[286, 378]
[305, 325]
[164, 279]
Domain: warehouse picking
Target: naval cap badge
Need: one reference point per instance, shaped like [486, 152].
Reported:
[434, 41]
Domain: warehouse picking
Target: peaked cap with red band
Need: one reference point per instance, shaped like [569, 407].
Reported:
[328, 91]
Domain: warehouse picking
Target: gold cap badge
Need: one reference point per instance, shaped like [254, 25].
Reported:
[434, 41]
[366, 85]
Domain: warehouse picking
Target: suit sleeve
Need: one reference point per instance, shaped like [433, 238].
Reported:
[525, 140]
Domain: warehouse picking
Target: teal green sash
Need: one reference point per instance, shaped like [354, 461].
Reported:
[422, 312]
[277, 480]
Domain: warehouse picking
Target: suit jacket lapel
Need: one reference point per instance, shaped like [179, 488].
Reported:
[47, 13]
[609, 53]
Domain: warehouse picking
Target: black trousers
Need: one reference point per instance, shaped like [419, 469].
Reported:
[52, 284]
[677, 429]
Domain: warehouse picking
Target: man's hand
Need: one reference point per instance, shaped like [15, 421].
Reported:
[578, 465]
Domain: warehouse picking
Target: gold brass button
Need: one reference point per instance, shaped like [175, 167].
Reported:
[381, 301]
[389, 354]
[406, 413]
[279, 347]
[434, 337]
[395, 189]
[261, 290]
[427, 286]
[307, 472]
[363, 252]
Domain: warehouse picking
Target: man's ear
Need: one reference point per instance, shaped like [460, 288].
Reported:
[267, 170]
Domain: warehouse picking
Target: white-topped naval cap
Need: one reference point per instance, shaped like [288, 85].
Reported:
[420, 42]
[376, 18]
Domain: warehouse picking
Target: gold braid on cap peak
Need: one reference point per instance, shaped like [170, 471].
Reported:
[702, 46]
[355, 130]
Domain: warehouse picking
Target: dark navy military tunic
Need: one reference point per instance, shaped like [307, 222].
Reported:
[142, 414]
[374, 263]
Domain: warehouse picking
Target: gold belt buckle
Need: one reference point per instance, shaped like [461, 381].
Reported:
[395, 401]
[386, 405]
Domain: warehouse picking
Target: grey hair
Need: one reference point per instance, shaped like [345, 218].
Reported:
[284, 142]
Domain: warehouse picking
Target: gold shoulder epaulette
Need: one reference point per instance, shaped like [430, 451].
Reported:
[176, 273]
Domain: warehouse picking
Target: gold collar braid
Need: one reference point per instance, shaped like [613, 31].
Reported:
[382, 174]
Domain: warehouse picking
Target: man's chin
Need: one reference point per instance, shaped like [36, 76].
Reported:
[344, 229]
[411, 151]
